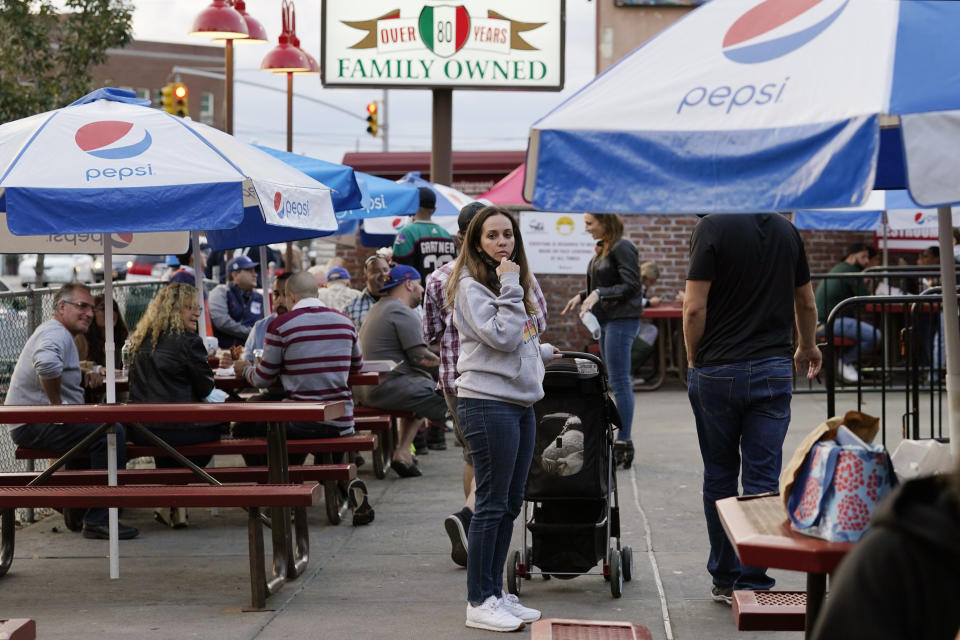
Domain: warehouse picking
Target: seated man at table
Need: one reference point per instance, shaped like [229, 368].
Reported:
[48, 372]
[312, 349]
[376, 271]
[236, 306]
[259, 331]
[833, 291]
[392, 331]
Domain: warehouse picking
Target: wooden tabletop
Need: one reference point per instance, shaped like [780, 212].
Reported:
[760, 531]
[173, 412]
[665, 310]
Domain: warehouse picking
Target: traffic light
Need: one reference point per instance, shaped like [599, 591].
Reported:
[180, 100]
[167, 99]
[373, 120]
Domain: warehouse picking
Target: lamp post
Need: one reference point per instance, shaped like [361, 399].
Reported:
[228, 21]
[287, 58]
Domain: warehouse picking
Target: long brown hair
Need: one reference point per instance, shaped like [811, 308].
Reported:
[96, 335]
[612, 224]
[482, 267]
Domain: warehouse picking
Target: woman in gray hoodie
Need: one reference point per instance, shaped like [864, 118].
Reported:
[501, 376]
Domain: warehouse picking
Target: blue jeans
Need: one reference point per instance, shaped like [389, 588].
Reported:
[63, 437]
[853, 329]
[616, 340]
[500, 436]
[740, 408]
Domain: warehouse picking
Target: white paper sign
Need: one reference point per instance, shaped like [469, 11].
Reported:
[556, 242]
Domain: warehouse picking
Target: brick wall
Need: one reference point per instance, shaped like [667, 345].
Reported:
[661, 238]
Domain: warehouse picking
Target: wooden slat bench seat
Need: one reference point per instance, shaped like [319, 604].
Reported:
[769, 610]
[86, 477]
[250, 496]
[382, 425]
[231, 446]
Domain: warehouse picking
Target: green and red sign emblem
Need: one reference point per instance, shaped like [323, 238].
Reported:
[444, 29]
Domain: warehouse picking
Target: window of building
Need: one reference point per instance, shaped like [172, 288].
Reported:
[206, 107]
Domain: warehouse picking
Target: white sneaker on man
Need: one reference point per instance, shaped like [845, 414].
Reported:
[492, 617]
[849, 373]
[511, 604]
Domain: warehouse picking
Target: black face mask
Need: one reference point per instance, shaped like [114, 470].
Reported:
[493, 264]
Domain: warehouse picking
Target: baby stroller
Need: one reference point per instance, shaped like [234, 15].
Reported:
[572, 488]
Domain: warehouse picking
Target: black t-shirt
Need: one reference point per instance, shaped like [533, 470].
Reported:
[754, 262]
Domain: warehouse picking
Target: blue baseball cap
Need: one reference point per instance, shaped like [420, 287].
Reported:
[240, 262]
[401, 273]
[338, 273]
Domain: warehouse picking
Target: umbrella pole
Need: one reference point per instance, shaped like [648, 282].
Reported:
[951, 326]
[198, 280]
[109, 350]
[265, 278]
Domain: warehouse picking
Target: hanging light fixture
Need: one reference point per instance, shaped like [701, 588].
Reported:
[220, 20]
[257, 32]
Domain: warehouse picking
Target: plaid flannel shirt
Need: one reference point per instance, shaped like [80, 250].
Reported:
[438, 324]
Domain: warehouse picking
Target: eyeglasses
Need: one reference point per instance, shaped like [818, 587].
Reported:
[83, 306]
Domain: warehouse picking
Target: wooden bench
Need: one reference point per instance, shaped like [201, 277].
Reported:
[323, 447]
[89, 477]
[382, 425]
[562, 629]
[769, 610]
[250, 496]
[18, 629]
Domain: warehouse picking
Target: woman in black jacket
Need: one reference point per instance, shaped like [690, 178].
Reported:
[170, 365]
[613, 295]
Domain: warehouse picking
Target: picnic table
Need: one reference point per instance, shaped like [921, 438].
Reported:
[759, 529]
[289, 560]
[670, 351]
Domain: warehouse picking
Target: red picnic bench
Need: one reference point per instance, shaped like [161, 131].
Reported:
[18, 629]
[289, 561]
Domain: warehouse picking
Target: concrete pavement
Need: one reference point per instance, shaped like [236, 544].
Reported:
[394, 578]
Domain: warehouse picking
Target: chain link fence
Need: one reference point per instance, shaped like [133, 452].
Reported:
[21, 312]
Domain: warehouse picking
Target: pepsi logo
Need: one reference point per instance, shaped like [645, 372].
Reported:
[277, 201]
[113, 139]
[121, 240]
[775, 28]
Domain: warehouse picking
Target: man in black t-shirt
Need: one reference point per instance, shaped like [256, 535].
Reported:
[747, 274]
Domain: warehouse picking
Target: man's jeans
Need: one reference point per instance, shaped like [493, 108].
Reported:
[616, 339]
[63, 437]
[856, 330]
[500, 436]
[741, 407]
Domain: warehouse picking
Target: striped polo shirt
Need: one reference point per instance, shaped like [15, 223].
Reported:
[312, 349]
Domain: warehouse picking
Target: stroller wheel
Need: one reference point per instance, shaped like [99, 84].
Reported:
[626, 562]
[616, 575]
[528, 563]
[513, 579]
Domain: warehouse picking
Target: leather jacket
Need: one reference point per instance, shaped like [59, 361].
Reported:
[616, 279]
[176, 371]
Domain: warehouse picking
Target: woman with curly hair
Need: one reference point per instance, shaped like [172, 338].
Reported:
[170, 365]
[501, 371]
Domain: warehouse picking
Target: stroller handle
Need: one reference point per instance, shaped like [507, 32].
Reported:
[586, 356]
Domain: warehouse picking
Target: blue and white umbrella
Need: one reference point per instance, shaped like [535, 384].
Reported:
[108, 163]
[773, 105]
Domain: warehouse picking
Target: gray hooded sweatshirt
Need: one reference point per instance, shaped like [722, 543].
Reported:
[501, 357]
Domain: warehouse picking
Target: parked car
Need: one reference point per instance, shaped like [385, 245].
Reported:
[120, 265]
[57, 268]
[144, 267]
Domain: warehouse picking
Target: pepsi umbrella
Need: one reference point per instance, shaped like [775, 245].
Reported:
[108, 163]
[774, 105]
[378, 233]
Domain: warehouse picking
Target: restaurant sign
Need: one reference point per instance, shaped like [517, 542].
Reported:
[483, 44]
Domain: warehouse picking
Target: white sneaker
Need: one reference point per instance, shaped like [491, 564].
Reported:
[492, 617]
[511, 604]
[849, 373]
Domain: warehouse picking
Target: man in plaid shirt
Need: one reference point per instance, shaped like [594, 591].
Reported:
[376, 271]
[438, 331]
